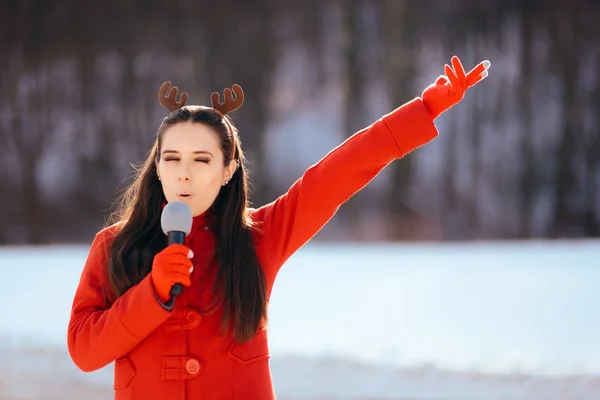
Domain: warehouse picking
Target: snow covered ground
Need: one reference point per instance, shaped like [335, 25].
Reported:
[353, 321]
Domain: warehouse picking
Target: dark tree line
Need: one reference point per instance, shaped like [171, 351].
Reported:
[518, 158]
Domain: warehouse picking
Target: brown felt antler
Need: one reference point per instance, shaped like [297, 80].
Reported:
[170, 101]
[229, 104]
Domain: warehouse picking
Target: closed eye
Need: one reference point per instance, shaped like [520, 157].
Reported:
[202, 160]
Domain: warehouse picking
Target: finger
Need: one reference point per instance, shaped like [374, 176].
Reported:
[184, 279]
[475, 75]
[460, 72]
[481, 76]
[179, 249]
[173, 260]
[456, 87]
[182, 270]
[182, 266]
[441, 80]
[176, 269]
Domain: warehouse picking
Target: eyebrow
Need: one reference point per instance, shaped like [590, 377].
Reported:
[196, 152]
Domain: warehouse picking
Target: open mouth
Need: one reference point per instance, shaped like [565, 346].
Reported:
[184, 195]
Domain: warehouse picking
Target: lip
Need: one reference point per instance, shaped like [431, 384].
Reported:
[184, 196]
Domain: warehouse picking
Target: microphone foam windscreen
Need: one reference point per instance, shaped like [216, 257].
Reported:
[176, 216]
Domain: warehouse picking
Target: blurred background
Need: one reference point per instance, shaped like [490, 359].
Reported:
[489, 233]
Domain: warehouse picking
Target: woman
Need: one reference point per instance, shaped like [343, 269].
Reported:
[210, 342]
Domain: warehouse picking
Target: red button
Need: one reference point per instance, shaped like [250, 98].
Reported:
[192, 366]
[193, 318]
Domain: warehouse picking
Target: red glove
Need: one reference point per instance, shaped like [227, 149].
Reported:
[172, 265]
[449, 89]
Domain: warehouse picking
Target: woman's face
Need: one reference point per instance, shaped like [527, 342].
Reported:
[191, 165]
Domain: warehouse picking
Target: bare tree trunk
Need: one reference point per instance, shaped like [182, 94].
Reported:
[246, 55]
[29, 133]
[450, 205]
[526, 109]
[353, 114]
[476, 167]
[591, 214]
[30, 141]
[93, 150]
[399, 27]
[567, 48]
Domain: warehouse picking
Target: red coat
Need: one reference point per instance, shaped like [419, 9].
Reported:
[179, 355]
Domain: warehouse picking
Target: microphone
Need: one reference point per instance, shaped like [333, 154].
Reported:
[176, 223]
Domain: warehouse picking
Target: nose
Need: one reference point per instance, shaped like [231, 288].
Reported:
[184, 174]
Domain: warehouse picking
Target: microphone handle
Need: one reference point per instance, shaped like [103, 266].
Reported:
[176, 237]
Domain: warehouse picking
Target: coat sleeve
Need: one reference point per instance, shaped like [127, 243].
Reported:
[97, 335]
[294, 218]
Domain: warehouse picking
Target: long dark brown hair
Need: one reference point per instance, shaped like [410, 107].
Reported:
[240, 283]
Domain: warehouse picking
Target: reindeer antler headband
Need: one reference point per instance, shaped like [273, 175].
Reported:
[230, 104]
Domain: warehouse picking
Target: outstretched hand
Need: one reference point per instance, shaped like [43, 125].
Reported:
[449, 89]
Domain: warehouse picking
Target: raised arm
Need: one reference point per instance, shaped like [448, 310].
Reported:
[295, 217]
[96, 335]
